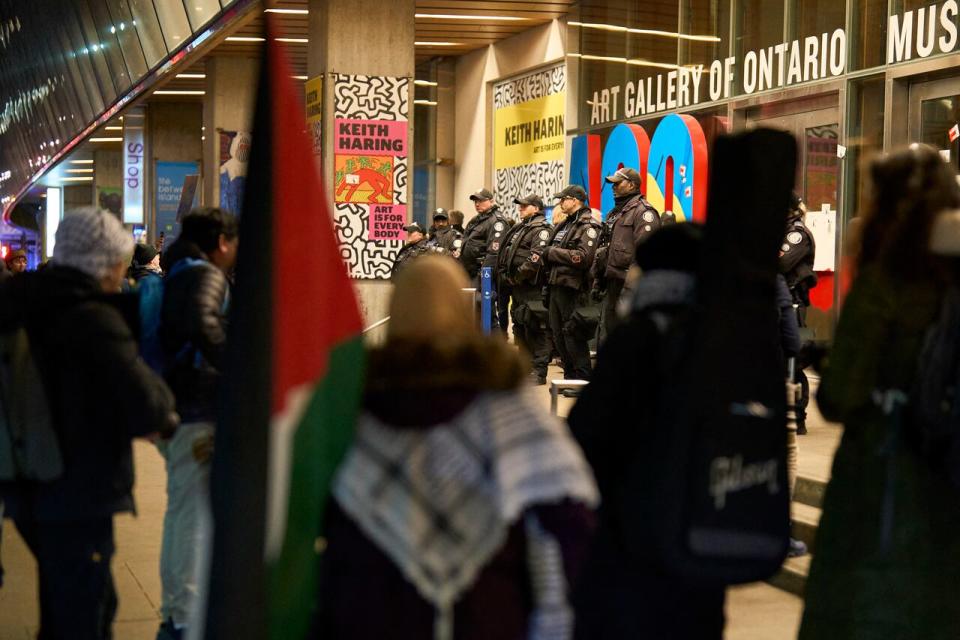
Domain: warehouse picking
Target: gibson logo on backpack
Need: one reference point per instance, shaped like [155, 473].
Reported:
[730, 475]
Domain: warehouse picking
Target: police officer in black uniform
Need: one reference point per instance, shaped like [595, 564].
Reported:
[568, 258]
[796, 264]
[445, 236]
[520, 270]
[483, 234]
[415, 245]
[628, 224]
[481, 238]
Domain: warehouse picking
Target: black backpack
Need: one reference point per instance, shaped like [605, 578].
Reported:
[29, 446]
[933, 408]
[722, 510]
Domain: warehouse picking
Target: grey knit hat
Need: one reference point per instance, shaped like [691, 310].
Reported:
[91, 240]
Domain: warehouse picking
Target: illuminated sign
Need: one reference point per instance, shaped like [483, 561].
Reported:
[52, 219]
[133, 166]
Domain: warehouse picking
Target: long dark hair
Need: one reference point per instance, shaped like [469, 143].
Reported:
[910, 187]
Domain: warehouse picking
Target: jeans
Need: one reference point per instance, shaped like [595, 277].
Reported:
[186, 524]
[77, 597]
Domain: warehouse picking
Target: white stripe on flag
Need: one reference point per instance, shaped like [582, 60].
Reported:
[282, 430]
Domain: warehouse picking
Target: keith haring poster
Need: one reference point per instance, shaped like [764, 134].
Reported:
[370, 169]
[529, 132]
[363, 179]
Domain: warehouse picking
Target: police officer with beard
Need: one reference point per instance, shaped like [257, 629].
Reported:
[483, 234]
[445, 236]
[569, 257]
[520, 270]
[628, 224]
[796, 264]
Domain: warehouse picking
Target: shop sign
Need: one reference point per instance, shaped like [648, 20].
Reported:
[920, 32]
[782, 65]
[133, 169]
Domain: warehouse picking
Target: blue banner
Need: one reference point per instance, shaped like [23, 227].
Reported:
[171, 177]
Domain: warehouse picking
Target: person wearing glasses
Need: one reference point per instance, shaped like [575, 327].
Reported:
[568, 258]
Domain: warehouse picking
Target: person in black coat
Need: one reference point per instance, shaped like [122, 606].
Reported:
[622, 594]
[101, 395]
[193, 338]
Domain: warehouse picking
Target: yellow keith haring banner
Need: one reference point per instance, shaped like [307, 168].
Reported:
[529, 132]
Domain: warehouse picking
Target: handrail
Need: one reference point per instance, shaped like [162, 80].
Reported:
[376, 324]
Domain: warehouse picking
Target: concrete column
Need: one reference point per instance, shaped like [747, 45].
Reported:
[174, 135]
[231, 87]
[361, 37]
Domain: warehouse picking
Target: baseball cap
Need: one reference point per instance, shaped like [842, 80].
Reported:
[441, 213]
[530, 199]
[413, 228]
[624, 173]
[481, 194]
[572, 191]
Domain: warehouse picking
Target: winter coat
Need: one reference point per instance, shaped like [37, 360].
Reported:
[448, 239]
[483, 235]
[193, 333]
[859, 589]
[571, 250]
[637, 220]
[516, 263]
[414, 385]
[100, 393]
[621, 596]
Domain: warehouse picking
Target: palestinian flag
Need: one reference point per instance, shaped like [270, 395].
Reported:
[292, 384]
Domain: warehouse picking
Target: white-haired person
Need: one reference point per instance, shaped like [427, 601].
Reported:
[100, 395]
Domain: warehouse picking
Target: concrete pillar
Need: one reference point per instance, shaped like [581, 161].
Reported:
[231, 87]
[369, 38]
[174, 135]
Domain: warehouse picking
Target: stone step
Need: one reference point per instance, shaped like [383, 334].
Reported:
[792, 577]
[809, 491]
[806, 519]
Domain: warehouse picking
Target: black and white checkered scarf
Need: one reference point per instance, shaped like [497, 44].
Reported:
[439, 502]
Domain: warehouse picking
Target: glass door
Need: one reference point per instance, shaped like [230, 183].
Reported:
[934, 115]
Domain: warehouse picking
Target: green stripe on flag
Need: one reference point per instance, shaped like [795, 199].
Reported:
[319, 444]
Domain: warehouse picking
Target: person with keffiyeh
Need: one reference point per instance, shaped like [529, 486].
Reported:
[462, 510]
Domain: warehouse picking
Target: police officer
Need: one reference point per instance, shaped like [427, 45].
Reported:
[796, 264]
[520, 270]
[415, 245]
[630, 221]
[568, 258]
[445, 236]
[483, 234]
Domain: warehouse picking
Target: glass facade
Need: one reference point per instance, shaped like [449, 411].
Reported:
[63, 64]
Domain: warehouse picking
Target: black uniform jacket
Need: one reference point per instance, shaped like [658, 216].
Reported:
[483, 234]
[637, 220]
[571, 250]
[796, 257]
[519, 261]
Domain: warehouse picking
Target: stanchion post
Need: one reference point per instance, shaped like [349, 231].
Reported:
[486, 299]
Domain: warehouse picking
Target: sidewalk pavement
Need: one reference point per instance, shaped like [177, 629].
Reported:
[754, 612]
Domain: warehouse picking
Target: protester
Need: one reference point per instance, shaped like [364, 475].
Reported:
[16, 261]
[146, 262]
[888, 547]
[100, 396]
[193, 332]
[462, 510]
[621, 595]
